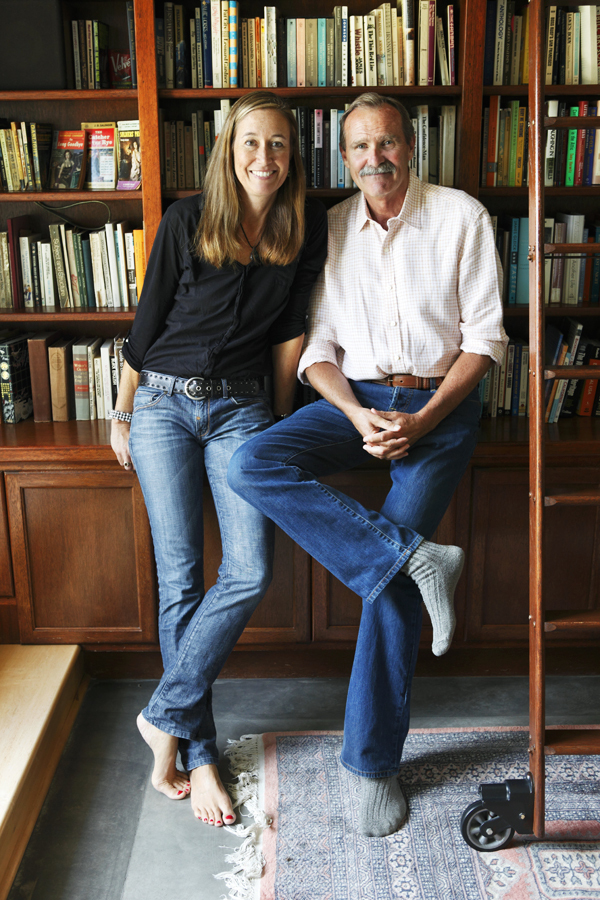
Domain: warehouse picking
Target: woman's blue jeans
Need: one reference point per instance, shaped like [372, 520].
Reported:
[173, 441]
[278, 473]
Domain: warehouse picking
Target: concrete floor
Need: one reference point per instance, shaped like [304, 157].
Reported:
[105, 834]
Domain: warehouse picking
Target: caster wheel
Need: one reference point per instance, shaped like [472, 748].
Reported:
[476, 815]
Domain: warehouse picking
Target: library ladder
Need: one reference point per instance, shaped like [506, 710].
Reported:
[519, 804]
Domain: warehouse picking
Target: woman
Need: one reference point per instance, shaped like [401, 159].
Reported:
[223, 307]
[136, 162]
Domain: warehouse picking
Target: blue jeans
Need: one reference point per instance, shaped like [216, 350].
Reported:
[173, 441]
[278, 473]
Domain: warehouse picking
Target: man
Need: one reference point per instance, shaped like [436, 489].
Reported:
[405, 320]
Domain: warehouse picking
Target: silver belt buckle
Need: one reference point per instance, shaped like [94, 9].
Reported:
[194, 388]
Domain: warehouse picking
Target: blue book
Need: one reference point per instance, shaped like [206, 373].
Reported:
[206, 44]
[322, 52]
[89, 272]
[159, 30]
[522, 294]
[490, 43]
[582, 268]
[233, 42]
[291, 52]
[345, 38]
[595, 286]
[512, 266]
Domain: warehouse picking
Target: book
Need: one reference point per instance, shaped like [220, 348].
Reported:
[41, 146]
[17, 226]
[109, 381]
[101, 166]
[140, 259]
[119, 70]
[81, 378]
[60, 362]
[67, 161]
[37, 346]
[573, 340]
[130, 155]
[130, 266]
[15, 379]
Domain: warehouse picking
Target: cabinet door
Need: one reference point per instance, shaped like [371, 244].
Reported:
[9, 630]
[82, 557]
[498, 564]
[336, 609]
[283, 615]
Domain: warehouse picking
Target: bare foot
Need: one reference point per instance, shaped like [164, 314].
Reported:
[210, 801]
[166, 777]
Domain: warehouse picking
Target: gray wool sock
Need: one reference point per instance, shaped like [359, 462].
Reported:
[436, 571]
[382, 806]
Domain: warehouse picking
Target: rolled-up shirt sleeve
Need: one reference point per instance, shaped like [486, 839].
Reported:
[321, 343]
[292, 321]
[163, 273]
[480, 292]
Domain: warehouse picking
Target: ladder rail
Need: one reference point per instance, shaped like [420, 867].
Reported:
[537, 712]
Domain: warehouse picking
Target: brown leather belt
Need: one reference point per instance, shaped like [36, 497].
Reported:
[411, 381]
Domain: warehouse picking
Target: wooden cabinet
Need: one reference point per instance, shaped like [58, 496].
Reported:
[75, 548]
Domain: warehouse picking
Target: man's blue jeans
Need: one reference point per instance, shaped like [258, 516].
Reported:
[278, 473]
[173, 441]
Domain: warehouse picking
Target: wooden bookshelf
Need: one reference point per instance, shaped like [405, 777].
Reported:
[55, 476]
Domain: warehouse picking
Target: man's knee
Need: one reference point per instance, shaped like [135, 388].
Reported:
[243, 465]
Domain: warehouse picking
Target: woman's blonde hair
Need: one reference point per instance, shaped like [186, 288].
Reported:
[216, 238]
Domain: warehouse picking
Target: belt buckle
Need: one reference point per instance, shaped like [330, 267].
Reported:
[194, 388]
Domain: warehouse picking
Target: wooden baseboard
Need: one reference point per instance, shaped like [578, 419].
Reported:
[331, 663]
[41, 689]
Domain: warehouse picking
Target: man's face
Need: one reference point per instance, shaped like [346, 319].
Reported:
[377, 154]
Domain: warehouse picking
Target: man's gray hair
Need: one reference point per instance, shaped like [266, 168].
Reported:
[371, 100]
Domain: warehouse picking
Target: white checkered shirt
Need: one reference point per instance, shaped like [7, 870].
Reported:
[409, 299]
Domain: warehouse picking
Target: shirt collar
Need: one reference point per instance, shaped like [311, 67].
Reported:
[410, 213]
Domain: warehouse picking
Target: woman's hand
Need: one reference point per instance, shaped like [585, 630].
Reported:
[119, 441]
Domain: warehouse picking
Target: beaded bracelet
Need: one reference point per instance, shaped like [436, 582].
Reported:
[120, 415]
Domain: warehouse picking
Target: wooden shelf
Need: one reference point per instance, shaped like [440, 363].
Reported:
[552, 90]
[69, 95]
[587, 620]
[572, 192]
[581, 433]
[577, 311]
[57, 316]
[309, 93]
[59, 437]
[338, 193]
[575, 741]
[62, 196]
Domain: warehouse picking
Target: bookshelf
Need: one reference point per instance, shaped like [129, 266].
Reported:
[56, 478]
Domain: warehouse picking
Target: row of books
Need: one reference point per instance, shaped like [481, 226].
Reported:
[506, 55]
[186, 147]
[572, 155]
[505, 388]
[100, 156]
[58, 378]
[70, 268]
[504, 150]
[94, 65]
[389, 46]
[568, 280]
[571, 49]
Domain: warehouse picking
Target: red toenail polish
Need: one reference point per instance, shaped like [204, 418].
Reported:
[229, 817]
[179, 792]
[206, 820]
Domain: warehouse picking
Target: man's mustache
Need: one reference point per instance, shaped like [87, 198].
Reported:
[385, 168]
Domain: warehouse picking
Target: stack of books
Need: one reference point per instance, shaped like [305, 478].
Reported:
[395, 44]
[58, 378]
[95, 65]
[186, 146]
[99, 156]
[70, 268]
[505, 389]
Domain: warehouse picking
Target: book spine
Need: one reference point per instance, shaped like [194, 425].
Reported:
[59, 267]
[300, 52]
[281, 30]
[81, 383]
[130, 264]
[206, 43]
[199, 52]
[291, 52]
[169, 44]
[193, 58]
[500, 38]
[131, 36]
[431, 43]
[225, 43]
[345, 36]
[451, 51]
[180, 46]
[76, 54]
[322, 52]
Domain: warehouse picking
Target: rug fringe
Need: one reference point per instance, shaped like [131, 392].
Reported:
[247, 860]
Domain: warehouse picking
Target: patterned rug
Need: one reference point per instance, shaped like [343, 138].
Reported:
[312, 850]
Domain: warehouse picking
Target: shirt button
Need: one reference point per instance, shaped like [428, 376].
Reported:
[393, 324]
[391, 287]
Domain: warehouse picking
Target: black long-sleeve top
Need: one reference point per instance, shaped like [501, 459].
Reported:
[195, 319]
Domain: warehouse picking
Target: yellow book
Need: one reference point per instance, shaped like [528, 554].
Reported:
[140, 259]
[525, 48]
[520, 145]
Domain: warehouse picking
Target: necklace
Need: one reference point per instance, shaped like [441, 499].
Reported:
[252, 249]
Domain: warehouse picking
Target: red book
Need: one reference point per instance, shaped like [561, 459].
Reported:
[586, 401]
[17, 226]
[431, 44]
[587, 283]
[580, 149]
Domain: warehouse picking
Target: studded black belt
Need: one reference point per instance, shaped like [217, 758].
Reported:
[199, 388]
